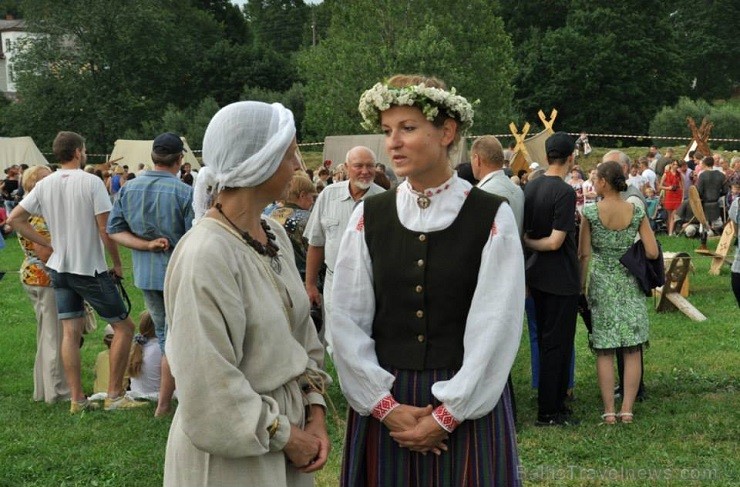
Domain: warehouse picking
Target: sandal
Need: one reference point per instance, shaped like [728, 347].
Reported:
[609, 418]
[626, 418]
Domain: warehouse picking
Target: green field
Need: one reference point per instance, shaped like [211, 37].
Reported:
[685, 433]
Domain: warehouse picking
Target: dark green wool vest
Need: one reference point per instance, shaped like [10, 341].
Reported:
[424, 282]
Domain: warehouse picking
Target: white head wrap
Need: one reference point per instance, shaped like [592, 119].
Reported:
[242, 147]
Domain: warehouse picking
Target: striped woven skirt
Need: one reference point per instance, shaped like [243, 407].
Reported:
[481, 452]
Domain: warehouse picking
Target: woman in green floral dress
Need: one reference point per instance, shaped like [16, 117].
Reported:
[617, 303]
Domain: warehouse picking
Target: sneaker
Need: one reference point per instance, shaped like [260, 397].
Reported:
[82, 406]
[123, 402]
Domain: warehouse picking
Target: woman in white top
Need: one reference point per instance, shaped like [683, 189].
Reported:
[429, 287]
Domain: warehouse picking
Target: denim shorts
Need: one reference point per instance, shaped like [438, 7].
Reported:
[154, 301]
[99, 290]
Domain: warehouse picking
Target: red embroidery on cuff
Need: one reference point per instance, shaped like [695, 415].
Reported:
[360, 224]
[384, 406]
[445, 418]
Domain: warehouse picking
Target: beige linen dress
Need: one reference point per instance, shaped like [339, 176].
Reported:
[240, 344]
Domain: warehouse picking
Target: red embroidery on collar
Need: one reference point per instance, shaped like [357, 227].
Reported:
[429, 192]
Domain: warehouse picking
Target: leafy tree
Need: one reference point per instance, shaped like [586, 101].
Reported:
[292, 98]
[190, 123]
[671, 121]
[319, 19]
[709, 49]
[230, 17]
[225, 67]
[525, 18]
[600, 71]
[11, 7]
[466, 46]
[278, 24]
[100, 70]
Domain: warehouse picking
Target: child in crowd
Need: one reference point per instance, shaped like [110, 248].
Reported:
[576, 182]
[651, 202]
[589, 191]
[635, 178]
[144, 362]
[102, 365]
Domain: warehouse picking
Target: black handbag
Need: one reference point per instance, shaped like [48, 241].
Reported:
[650, 273]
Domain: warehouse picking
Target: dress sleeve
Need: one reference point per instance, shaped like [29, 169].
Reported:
[493, 328]
[221, 413]
[364, 382]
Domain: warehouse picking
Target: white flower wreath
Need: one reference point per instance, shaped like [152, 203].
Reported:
[380, 98]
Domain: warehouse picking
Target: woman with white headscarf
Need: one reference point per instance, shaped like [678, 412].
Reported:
[241, 344]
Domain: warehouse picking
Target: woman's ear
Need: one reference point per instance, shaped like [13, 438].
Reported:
[449, 131]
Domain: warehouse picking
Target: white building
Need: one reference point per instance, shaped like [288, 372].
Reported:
[11, 31]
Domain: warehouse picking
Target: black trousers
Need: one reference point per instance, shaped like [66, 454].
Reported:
[556, 329]
[736, 286]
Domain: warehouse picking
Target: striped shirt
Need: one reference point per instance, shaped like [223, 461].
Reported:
[153, 205]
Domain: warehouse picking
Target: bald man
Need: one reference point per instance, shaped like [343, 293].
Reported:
[487, 161]
[328, 220]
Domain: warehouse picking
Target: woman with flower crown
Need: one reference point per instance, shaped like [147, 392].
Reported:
[430, 281]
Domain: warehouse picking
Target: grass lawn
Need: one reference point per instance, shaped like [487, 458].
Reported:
[685, 433]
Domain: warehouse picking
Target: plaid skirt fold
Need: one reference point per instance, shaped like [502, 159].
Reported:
[481, 452]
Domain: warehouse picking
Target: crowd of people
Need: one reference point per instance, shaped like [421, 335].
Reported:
[252, 269]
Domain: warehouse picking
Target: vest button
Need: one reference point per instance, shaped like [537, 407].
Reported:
[420, 338]
[420, 314]
[422, 238]
[420, 263]
[419, 289]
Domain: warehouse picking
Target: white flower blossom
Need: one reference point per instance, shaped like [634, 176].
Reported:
[428, 99]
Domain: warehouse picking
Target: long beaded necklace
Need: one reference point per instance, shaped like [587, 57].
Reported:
[270, 250]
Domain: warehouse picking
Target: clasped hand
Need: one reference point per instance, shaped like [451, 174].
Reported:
[308, 448]
[416, 429]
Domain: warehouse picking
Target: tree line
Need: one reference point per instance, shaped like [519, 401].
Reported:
[134, 68]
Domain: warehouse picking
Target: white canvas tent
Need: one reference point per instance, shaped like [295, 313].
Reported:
[19, 150]
[133, 152]
[336, 147]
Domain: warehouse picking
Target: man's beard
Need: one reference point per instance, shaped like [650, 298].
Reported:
[361, 184]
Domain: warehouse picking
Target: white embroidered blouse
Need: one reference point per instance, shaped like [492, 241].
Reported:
[493, 327]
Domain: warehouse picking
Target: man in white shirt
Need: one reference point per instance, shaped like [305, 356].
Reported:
[648, 174]
[487, 159]
[328, 221]
[75, 205]
[635, 179]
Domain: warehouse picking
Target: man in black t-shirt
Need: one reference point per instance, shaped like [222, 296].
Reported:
[553, 276]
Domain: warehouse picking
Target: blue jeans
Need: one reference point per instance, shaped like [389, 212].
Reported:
[99, 290]
[154, 301]
[535, 350]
